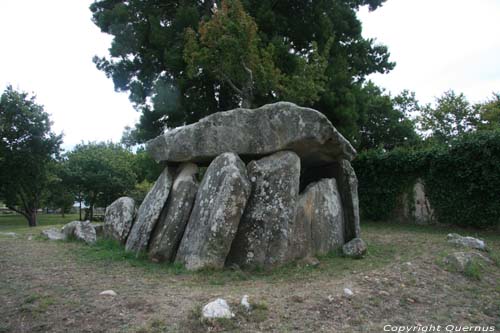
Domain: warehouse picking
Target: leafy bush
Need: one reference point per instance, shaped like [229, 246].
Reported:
[462, 179]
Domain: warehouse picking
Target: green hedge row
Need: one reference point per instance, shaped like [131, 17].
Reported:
[462, 179]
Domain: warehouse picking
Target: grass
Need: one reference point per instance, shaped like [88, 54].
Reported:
[17, 223]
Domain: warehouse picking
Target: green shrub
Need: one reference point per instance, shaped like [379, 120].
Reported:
[462, 179]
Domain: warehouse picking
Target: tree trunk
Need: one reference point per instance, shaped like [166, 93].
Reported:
[32, 218]
[80, 210]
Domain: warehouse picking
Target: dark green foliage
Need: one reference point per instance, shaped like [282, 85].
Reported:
[99, 173]
[147, 58]
[384, 121]
[28, 148]
[462, 179]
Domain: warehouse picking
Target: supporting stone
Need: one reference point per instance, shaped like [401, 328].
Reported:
[347, 183]
[149, 212]
[319, 223]
[173, 220]
[263, 235]
[216, 214]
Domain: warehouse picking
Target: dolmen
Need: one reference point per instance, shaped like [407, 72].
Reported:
[256, 188]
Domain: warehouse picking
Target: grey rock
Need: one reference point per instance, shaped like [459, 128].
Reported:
[217, 309]
[257, 132]
[356, 248]
[9, 234]
[119, 218]
[348, 187]
[80, 230]
[53, 234]
[262, 237]
[347, 184]
[149, 212]
[460, 260]
[217, 210]
[467, 241]
[173, 220]
[319, 224]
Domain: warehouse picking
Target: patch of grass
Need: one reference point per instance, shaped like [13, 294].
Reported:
[14, 222]
[37, 303]
[473, 270]
[110, 250]
[153, 326]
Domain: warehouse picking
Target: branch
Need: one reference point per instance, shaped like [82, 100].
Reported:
[231, 84]
[18, 211]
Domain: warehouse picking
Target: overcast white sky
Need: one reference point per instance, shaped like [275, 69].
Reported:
[47, 48]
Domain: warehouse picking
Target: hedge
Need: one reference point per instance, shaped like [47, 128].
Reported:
[462, 179]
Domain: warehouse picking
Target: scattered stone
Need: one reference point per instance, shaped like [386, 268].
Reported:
[309, 261]
[173, 220]
[8, 234]
[119, 218]
[80, 230]
[330, 298]
[262, 131]
[217, 309]
[30, 237]
[356, 248]
[263, 234]
[245, 304]
[384, 293]
[149, 212]
[216, 214]
[108, 293]
[53, 234]
[467, 241]
[319, 223]
[348, 292]
[460, 260]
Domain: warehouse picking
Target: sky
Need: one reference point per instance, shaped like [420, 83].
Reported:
[47, 49]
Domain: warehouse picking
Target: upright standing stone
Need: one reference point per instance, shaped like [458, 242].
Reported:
[348, 186]
[319, 223]
[218, 207]
[347, 183]
[172, 223]
[119, 218]
[149, 212]
[262, 237]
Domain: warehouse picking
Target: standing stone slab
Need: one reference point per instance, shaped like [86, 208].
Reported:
[218, 207]
[319, 223]
[249, 133]
[348, 187]
[172, 223]
[149, 212]
[119, 218]
[262, 237]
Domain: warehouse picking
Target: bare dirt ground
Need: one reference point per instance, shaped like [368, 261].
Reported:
[54, 287]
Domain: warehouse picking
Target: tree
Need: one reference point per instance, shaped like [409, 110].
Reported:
[148, 57]
[453, 115]
[384, 121]
[489, 113]
[58, 194]
[27, 150]
[99, 173]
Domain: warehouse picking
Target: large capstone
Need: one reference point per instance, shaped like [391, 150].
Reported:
[250, 133]
[172, 223]
[319, 224]
[216, 214]
[149, 212]
[262, 237]
[119, 218]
